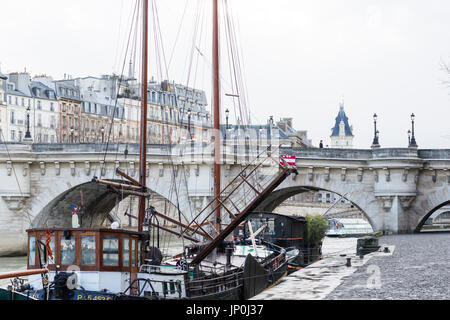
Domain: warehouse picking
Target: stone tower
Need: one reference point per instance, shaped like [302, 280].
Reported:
[341, 135]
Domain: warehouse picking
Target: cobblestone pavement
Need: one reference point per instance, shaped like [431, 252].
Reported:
[418, 269]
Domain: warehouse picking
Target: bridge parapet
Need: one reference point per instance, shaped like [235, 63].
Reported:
[356, 154]
[434, 154]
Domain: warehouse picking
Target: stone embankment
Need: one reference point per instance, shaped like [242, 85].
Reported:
[321, 278]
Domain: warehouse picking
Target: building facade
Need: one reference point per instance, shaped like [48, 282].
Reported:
[299, 138]
[69, 103]
[107, 108]
[46, 116]
[19, 108]
[3, 105]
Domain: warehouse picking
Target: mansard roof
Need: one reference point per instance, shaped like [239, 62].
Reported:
[44, 92]
[341, 117]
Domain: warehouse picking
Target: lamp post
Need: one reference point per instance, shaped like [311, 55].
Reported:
[103, 133]
[227, 114]
[71, 134]
[413, 143]
[375, 143]
[409, 137]
[189, 122]
[28, 134]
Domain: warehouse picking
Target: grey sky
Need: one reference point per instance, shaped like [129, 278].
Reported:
[300, 57]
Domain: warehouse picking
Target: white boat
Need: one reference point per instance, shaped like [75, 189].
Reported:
[348, 227]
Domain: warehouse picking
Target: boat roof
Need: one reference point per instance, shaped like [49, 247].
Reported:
[298, 218]
[86, 230]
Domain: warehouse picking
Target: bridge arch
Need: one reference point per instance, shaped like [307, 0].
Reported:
[96, 200]
[429, 214]
[280, 195]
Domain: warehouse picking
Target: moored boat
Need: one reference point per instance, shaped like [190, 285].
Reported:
[81, 263]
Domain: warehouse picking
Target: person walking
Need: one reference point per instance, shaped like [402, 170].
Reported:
[321, 144]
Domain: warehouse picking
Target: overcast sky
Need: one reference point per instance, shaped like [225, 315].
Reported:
[301, 58]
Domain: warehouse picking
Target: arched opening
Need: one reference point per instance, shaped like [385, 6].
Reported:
[98, 207]
[304, 200]
[437, 219]
[314, 200]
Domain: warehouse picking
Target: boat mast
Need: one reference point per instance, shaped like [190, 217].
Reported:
[143, 133]
[216, 112]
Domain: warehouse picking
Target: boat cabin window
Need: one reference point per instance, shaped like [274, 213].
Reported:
[88, 250]
[110, 250]
[31, 250]
[67, 251]
[126, 252]
[52, 248]
[133, 253]
[260, 222]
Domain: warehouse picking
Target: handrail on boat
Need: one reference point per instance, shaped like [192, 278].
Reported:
[15, 274]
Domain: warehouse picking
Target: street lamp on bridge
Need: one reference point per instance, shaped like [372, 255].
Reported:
[103, 133]
[412, 143]
[28, 134]
[227, 114]
[189, 122]
[71, 134]
[375, 143]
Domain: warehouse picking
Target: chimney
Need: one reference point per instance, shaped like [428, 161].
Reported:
[21, 81]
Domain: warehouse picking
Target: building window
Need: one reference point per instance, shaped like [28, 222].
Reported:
[52, 107]
[12, 117]
[13, 135]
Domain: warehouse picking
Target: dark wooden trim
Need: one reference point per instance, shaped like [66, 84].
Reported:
[57, 233]
[123, 174]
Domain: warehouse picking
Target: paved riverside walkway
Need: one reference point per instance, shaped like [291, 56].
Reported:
[418, 269]
[319, 279]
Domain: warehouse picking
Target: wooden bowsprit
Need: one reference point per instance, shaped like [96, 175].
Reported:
[241, 197]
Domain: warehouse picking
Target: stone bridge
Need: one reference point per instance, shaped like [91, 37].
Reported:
[397, 189]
